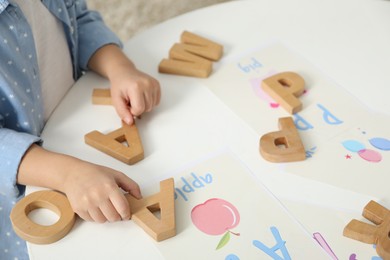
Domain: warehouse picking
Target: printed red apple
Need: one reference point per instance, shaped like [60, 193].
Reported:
[216, 217]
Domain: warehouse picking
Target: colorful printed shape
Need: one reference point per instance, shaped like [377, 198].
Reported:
[366, 154]
[370, 155]
[321, 240]
[256, 86]
[232, 257]
[380, 143]
[215, 216]
[353, 146]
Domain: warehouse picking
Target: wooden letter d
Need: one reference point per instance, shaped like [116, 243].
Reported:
[284, 145]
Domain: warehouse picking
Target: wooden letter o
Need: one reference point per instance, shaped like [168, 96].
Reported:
[39, 234]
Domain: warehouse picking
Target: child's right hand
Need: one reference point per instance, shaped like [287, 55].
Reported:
[96, 193]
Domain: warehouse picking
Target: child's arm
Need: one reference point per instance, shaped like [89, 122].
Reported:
[132, 91]
[95, 192]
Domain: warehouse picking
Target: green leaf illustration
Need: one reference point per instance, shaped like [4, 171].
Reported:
[224, 240]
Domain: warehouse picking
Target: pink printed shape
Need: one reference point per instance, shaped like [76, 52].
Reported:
[256, 85]
[321, 240]
[370, 155]
[215, 216]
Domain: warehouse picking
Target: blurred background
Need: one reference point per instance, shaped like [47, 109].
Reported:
[128, 17]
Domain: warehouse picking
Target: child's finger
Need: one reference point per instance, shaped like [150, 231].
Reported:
[128, 185]
[149, 102]
[137, 103]
[84, 215]
[123, 109]
[157, 96]
[110, 211]
[120, 205]
[97, 215]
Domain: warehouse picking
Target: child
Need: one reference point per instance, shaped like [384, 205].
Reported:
[44, 47]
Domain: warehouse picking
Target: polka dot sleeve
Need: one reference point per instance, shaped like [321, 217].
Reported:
[13, 146]
[11, 246]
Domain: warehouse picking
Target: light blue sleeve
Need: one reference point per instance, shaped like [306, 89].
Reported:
[13, 146]
[12, 149]
[92, 33]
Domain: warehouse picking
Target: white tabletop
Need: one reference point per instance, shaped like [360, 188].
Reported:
[349, 40]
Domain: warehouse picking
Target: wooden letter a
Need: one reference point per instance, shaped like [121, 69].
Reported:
[164, 201]
[111, 143]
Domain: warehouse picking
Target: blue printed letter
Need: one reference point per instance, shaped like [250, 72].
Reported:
[280, 245]
[328, 117]
[301, 123]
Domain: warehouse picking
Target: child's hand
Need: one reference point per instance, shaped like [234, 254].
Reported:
[133, 93]
[96, 193]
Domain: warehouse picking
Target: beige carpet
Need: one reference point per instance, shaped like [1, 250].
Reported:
[127, 17]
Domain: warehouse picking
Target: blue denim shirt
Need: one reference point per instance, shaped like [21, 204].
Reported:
[21, 107]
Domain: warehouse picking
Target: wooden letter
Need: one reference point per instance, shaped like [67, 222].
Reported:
[142, 214]
[202, 46]
[285, 88]
[191, 57]
[284, 145]
[30, 231]
[111, 143]
[164, 201]
[101, 96]
[371, 234]
[183, 62]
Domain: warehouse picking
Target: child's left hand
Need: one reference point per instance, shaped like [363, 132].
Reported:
[133, 93]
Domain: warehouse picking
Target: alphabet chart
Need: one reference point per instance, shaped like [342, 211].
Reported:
[219, 220]
[346, 144]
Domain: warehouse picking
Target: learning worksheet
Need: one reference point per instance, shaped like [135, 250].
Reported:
[223, 212]
[346, 144]
[357, 159]
[326, 107]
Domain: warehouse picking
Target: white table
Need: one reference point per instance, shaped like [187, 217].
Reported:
[191, 121]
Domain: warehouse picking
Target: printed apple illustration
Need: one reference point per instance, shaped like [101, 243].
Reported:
[216, 217]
